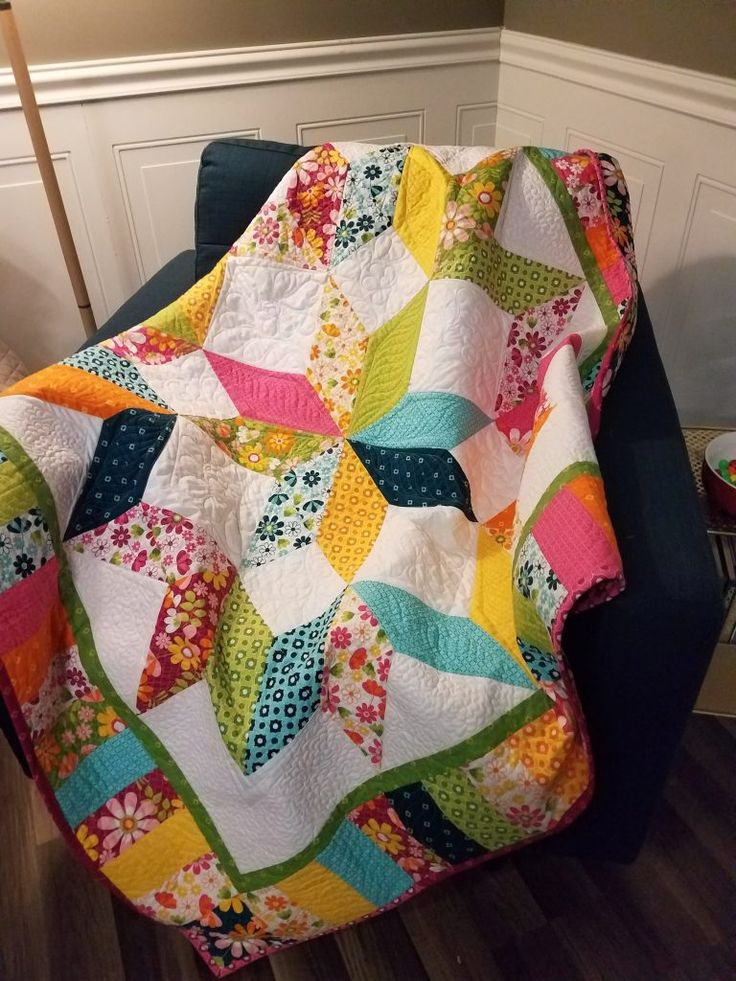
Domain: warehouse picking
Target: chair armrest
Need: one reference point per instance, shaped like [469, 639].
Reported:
[639, 661]
[173, 279]
[161, 289]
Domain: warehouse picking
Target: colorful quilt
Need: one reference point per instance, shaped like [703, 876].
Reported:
[285, 568]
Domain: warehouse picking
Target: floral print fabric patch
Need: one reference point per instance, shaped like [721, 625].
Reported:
[286, 644]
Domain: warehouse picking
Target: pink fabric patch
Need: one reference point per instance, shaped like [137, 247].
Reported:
[618, 281]
[273, 396]
[24, 605]
[573, 544]
[521, 417]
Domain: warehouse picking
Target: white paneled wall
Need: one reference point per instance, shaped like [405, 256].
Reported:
[674, 133]
[127, 136]
[152, 175]
[396, 127]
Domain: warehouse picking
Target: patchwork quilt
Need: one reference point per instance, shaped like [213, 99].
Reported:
[284, 569]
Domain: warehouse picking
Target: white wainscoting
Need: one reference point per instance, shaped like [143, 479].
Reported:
[127, 136]
[674, 133]
[154, 175]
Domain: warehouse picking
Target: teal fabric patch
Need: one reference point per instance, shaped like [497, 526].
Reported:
[352, 856]
[369, 199]
[542, 664]
[107, 770]
[536, 580]
[103, 363]
[294, 509]
[451, 644]
[438, 419]
[550, 154]
[290, 689]
[25, 545]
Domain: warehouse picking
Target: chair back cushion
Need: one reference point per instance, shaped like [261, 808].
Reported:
[235, 178]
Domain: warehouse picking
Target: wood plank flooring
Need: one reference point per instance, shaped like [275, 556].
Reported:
[672, 914]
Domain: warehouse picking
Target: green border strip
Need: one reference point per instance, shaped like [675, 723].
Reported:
[588, 261]
[82, 631]
[477, 745]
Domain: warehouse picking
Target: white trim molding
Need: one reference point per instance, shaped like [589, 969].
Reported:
[114, 78]
[127, 135]
[711, 97]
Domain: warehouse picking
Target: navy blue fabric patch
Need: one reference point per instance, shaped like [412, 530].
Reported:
[426, 822]
[230, 924]
[129, 445]
[416, 478]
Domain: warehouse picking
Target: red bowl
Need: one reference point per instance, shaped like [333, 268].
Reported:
[721, 492]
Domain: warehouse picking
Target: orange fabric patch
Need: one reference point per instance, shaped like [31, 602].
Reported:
[501, 526]
[571, 779]
[589, 491]
[74, 388]
[28, 664]
[542, 746]
[603, 248]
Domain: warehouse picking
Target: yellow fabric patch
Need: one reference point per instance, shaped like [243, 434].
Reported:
[198, 303]
[491, 604]
[317, 889]
[189, 317]
[16, 493]
[421, 205]
[62, 384]
[157, 856]
[541, 746]
[353, 516]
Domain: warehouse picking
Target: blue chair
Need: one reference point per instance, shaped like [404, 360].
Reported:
[638, 662]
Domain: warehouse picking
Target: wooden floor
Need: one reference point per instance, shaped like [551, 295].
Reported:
[529, 918]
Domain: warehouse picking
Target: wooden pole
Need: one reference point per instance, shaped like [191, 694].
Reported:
[45, 164]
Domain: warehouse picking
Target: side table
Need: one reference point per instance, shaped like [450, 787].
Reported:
[718, 694]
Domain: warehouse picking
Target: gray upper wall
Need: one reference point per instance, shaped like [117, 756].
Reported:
[80, 30]
[698, 34]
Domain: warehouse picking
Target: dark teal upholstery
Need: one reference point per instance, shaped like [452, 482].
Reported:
[638, 661]
[169, 282]
[235, 178]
